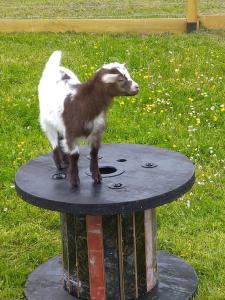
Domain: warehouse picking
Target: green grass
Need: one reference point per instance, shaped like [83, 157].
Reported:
[90, 9]
[211, 6]
[103, 9]
[180, 107]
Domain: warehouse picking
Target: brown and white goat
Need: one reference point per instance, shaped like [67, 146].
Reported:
[71, 110]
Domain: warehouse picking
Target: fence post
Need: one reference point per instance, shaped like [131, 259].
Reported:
[192, 15]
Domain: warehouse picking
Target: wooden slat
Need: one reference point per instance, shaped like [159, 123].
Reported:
[135, 255]
[213, 21]
[111, 260]
[96, 257]
[150, 248]
[120, 255]
[177, 25]
[129, 259]
[69, 253]
[140, 250]
[192, 11]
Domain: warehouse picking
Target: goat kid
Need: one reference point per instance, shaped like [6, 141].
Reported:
[71, 110]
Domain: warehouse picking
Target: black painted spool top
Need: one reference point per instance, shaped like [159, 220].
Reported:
[145, 177]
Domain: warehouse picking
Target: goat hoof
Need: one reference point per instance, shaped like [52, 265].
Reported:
[59, 167]
[97, 178]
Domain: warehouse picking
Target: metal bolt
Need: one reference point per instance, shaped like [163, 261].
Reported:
[117, 185]
[59, 176]
[121, 160]
[149, 165]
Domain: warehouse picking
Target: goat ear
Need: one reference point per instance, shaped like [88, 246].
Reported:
[125, 65]
[109, 78]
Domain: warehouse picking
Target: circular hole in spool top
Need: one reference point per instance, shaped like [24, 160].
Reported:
[121, 160]
[107, 170]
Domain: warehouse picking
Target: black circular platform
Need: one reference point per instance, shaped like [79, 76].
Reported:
[177, 281]
[135, 177]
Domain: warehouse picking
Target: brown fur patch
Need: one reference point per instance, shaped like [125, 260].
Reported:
[90, 100]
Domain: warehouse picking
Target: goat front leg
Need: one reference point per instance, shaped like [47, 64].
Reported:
[96, 175]
[73, 172]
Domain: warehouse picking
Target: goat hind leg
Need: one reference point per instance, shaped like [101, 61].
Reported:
[63, 156]
[52, 135]
[57, 157]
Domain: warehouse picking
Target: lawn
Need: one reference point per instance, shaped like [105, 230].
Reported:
[103, 9]
[180, 107]
[90, 9]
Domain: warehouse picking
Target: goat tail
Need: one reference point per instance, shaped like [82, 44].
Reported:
[50, 73]
[54, 60]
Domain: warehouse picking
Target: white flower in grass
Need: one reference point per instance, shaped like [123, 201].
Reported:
[211, 150]
[201, 182]
[5, 209]
[188, 204]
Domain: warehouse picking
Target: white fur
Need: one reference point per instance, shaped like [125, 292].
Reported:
[72, 150]
[109, 78]
[123, 70]
[52, 92]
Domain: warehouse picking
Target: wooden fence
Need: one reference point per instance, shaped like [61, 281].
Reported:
[155, 25]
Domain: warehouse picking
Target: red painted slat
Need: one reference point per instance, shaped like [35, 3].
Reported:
[150, 248]
[96, 257]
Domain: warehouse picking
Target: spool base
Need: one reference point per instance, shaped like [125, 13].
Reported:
[177, 280]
